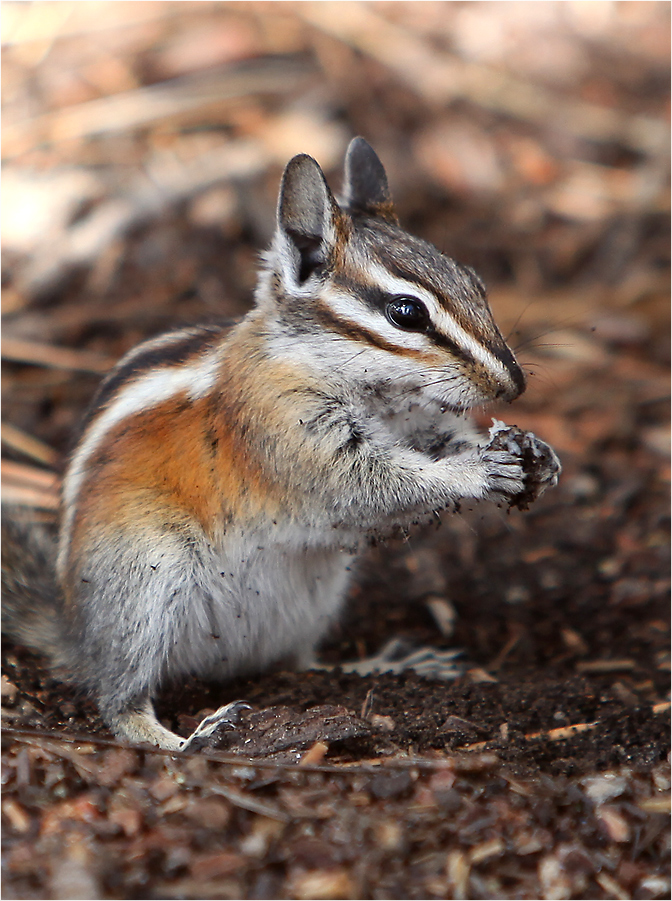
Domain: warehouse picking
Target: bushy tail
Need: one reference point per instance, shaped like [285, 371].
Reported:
[31, 603]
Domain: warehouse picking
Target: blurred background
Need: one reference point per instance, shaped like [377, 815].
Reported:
[143, 145]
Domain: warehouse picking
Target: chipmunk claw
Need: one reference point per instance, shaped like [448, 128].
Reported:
[206, 733]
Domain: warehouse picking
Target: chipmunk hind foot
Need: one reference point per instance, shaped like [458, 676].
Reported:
[399, 656]
[138, 724]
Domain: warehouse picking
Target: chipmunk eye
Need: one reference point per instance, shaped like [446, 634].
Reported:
[407, 313]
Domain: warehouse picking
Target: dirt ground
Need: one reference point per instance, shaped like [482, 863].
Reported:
[142, 160]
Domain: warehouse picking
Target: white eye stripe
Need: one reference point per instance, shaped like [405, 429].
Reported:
[441, 319]
[341, 304]
[394, 285]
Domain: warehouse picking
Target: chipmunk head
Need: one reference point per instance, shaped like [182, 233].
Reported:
[393, 309]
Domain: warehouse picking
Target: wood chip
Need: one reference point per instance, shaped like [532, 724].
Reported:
[573, 641]
[656, 805]
[323, 884]
[247, 802]
[611, 887]
[28, 445]
[478, 674]
[486, 850]
[605, 666]
[315, 754]
[21, 351]
[17, 816]
[561, 733]
[8, 690]
[444, 614]
[457, 870]
[28, 486]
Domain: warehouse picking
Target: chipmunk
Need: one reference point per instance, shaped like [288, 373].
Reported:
[226, 477]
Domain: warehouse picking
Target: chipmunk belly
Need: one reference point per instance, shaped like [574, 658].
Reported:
[263, 597]
[166, 601]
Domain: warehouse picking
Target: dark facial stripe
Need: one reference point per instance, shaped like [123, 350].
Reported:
[412, 276]
[377, 299]
[456, 288]
[327, 318]
[444, 341]
[164, 356]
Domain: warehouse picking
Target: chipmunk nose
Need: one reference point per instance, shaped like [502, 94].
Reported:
[514, 382]
[519, 383]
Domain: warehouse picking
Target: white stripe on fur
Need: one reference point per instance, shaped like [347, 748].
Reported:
[142, 393]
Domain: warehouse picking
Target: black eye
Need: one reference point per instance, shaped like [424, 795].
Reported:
[407, 313]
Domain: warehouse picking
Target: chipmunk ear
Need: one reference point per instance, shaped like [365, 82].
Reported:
[365, 189]
[307, 215]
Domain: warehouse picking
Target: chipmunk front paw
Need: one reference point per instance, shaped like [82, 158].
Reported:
[537, 462]
[505, 476]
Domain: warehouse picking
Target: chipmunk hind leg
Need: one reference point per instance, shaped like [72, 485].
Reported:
[143, 619]
[137, 723]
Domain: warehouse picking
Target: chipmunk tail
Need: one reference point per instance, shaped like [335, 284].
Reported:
[31, 602]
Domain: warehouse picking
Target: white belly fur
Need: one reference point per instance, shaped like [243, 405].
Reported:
[257, 603]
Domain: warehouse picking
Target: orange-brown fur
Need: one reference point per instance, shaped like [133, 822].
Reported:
[224, 480]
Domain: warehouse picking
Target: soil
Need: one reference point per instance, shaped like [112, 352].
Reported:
[540, 769]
